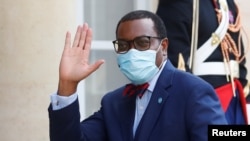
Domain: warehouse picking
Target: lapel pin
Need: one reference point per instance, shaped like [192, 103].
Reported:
[160, 100]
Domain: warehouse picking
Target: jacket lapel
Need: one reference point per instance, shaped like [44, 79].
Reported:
[156, 104]
[151, 115]
[127, 107]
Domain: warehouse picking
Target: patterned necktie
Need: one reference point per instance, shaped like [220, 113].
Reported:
[132, 89]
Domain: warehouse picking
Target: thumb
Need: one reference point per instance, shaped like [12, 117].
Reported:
[96, 65]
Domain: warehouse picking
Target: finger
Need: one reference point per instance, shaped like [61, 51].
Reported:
[92, 68]
[77, 36]
[83, 35]
[96, 65]
[67, 40]
[88, 42]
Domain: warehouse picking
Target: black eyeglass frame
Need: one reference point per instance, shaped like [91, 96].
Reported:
[115, 43]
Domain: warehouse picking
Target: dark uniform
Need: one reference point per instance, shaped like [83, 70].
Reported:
[177, 15]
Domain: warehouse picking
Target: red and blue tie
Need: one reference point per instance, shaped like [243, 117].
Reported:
[132, 89]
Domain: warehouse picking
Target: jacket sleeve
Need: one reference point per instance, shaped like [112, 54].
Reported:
[65, 125]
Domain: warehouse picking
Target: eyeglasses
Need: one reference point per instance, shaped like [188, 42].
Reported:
[140, 43]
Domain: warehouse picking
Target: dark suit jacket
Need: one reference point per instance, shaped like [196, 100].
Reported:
[177, 16]
[181, 108]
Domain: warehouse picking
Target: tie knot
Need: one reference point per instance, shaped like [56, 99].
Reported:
[132, 89]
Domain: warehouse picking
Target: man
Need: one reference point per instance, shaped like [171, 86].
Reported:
[176, 105]
[218, 57]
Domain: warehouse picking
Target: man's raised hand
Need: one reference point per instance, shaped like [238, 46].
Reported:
[74, 65]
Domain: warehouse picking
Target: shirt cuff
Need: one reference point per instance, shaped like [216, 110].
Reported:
[58, 102]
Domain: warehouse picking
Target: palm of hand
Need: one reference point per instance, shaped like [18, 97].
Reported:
[74, 65]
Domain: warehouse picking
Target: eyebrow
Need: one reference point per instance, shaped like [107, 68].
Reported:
[136, 37]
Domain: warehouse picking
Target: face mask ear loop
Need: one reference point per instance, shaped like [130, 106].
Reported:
[162, 58]
[161, 64]
[159, 47]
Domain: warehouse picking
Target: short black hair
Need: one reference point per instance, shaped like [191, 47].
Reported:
[143, 14]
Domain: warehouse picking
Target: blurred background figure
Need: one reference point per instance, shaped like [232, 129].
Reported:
[206, 39]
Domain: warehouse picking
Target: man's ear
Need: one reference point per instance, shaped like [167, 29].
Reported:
[164, 44]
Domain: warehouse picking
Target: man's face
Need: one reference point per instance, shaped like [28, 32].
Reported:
[129, 30]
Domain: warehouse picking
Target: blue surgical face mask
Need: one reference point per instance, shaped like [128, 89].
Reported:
[138, 66]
